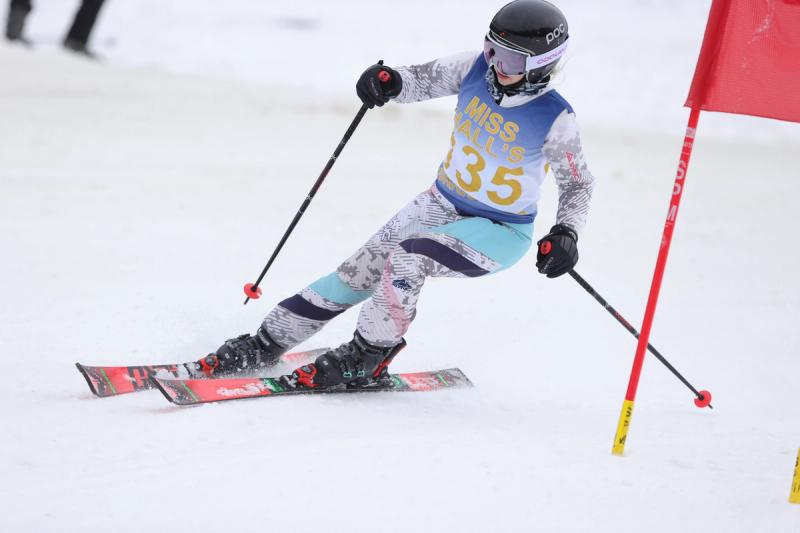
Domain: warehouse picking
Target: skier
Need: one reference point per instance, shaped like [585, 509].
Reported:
[475, 220]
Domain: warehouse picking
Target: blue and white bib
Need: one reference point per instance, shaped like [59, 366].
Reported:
[495, 167]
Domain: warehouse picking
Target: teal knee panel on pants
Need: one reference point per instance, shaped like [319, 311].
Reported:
[504, 243]
[332, 288]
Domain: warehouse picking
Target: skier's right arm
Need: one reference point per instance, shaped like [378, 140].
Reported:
[437, 78]
[414, 83]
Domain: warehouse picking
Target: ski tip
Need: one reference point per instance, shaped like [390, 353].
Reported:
[463, 380]
[89, 381]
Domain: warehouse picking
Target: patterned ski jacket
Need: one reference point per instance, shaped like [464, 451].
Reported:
[500, 152]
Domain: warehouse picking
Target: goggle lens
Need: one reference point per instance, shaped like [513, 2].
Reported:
[508, 62]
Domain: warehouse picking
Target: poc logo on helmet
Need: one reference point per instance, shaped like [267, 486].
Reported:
[556, 33]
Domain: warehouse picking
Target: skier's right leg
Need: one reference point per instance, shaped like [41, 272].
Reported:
[244, 353]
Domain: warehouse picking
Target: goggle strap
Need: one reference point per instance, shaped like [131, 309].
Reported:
[534, 62]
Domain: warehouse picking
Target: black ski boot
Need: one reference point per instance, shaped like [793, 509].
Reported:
[242, 355]
[355, 363]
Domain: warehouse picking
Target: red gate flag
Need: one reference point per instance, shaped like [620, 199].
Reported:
[750, 60]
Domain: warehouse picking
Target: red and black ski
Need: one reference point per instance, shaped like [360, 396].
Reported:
[197, 391]
[107, 381]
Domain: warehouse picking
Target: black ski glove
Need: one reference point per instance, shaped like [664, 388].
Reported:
[558, 251]
[378, 84]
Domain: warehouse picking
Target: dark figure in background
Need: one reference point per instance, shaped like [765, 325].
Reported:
[78, 35]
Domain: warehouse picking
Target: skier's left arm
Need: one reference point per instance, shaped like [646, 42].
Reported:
[558, 250]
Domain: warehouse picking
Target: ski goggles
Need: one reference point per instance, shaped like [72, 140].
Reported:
[511, 62]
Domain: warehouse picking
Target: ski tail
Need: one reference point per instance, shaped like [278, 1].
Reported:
[91, 380]
[105, 381]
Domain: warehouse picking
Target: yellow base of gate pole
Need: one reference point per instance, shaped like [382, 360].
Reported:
[794, 495]
[622, 428]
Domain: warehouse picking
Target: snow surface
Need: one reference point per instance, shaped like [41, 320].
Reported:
[139, 194]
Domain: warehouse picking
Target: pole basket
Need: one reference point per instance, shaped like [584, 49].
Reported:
[703, 400]
[253, 294]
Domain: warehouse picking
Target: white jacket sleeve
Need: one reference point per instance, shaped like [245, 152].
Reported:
[563, 151]
[437, 78]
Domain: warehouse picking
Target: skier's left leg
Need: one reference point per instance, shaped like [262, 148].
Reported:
[469, 247]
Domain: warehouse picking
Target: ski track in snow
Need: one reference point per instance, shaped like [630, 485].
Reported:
[135, 203]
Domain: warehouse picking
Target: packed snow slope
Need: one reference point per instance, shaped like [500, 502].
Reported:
[134, 204]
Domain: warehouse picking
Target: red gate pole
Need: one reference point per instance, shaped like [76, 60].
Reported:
[672, 215]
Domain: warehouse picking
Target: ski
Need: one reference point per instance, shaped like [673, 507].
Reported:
[105, 381]
[197, 391]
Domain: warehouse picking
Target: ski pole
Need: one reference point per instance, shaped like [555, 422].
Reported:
[703, 397]
[251, 289]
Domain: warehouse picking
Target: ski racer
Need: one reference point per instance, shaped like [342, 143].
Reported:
[477, 218]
